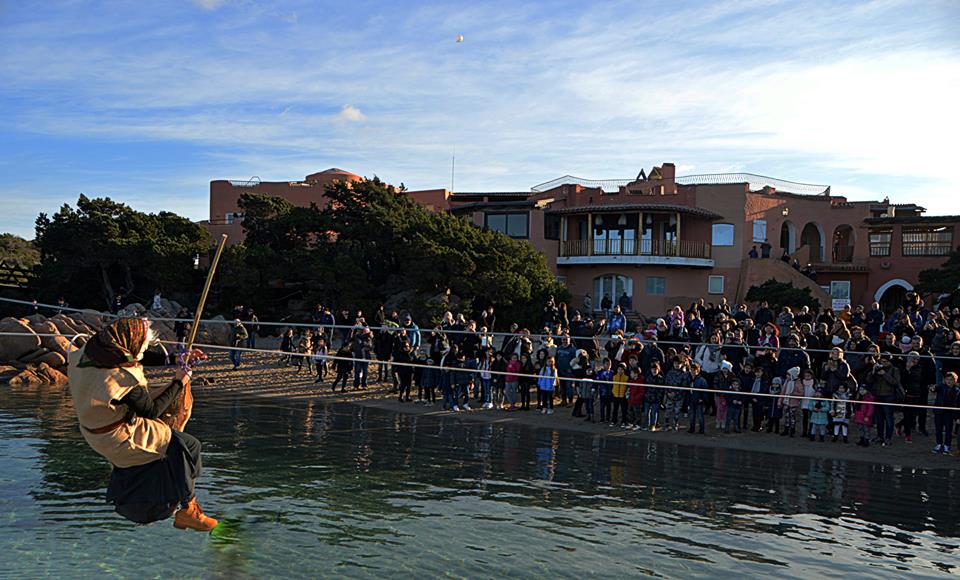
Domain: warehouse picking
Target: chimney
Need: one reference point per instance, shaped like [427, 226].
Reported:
[669, 171]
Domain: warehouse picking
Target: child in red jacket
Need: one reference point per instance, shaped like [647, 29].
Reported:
[863, 416]
[636, 396]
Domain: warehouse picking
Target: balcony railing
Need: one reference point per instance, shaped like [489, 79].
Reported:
[665, 248]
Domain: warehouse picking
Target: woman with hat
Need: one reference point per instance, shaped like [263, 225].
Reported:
[154, 466]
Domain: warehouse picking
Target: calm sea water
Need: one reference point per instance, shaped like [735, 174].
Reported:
[336, 490]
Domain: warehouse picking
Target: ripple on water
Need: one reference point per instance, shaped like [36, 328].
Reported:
[362, 493]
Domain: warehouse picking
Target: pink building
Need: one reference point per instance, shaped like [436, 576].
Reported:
[225, 214]
[664, 240]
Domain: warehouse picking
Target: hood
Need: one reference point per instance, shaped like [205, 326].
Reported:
[794, 373]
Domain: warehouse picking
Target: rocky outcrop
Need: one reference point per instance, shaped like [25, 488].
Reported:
[15, 347]
[36, 349]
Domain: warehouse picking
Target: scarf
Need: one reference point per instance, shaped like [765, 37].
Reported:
[116, 345]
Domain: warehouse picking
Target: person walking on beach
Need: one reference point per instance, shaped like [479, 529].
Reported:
[238, 338]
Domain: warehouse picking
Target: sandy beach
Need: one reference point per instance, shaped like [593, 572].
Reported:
[261, 376]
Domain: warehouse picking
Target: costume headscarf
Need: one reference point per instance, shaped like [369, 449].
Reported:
[116, 345]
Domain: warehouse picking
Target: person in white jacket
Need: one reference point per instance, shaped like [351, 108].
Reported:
[709, 356]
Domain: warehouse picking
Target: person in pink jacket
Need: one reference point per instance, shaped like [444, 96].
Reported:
[863, 416]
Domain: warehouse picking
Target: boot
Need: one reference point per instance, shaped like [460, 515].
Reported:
[192, 517]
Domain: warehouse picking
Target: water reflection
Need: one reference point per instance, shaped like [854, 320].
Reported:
[301, 483]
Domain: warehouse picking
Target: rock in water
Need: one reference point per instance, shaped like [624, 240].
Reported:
[14, 347]
[26, 378]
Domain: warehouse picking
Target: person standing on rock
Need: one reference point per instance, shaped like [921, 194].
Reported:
[155, 466]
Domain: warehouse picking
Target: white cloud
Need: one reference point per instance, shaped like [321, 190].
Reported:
[349, 113]
[210, 4]
[852, 96]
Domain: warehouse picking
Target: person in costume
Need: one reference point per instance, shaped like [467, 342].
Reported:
[155, 465]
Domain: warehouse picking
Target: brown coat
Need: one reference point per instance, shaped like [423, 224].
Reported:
[93, 389]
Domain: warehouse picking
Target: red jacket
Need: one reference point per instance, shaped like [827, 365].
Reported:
[637, 391]
[864, 413]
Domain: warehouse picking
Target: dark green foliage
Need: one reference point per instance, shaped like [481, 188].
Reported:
[89, 253]
[780, 294]
[16, 251]
[942, 280]
[372, 242]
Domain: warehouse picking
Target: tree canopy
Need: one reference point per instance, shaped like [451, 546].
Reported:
[780, 294]
[90, 252]
[372, 244]
[18, 251]
[942, 280]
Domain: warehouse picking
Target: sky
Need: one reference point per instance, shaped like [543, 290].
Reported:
[147, 102]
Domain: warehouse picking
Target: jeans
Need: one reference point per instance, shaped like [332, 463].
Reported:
[252, 340]
[510, 393]
[606, 408]
[449, 400]
[341, 376]
[696, 417]
[883, 419]
[733, 418]
[360, 370]
[524, 395]
[619, 404]
[544, 399]
[566, 387]
[463, 393]
[235, 357]
[943, 427]
[589, 403]
[651, 412]
[485, 390]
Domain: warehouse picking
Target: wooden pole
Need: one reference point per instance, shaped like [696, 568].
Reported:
[203, 295]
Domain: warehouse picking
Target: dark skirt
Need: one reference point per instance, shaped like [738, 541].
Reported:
[152, 492]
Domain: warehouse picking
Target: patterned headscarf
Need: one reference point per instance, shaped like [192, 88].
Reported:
[116, 345]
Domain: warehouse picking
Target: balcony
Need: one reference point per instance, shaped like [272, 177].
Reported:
[635, 252]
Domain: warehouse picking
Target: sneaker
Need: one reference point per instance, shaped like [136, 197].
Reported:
[946, 450]
[488, 405]
[549, 411]
[908, 438]
[466, 406]
[938, 449]
[456, 409]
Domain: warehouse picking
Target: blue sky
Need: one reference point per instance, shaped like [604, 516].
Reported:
[146, 102]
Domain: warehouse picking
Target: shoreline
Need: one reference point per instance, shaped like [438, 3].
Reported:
[216, 377]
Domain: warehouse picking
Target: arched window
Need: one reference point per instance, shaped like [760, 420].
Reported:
[613, 286]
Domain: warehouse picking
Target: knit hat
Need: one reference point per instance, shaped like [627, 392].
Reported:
[905, 340]
[726, 366]
[913, 355]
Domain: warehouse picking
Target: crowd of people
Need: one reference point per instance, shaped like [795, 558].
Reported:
[795, 373]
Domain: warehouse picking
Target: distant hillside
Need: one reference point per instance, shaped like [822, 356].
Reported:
[16, 250]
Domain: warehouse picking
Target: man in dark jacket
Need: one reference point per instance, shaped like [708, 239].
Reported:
[362, 352]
